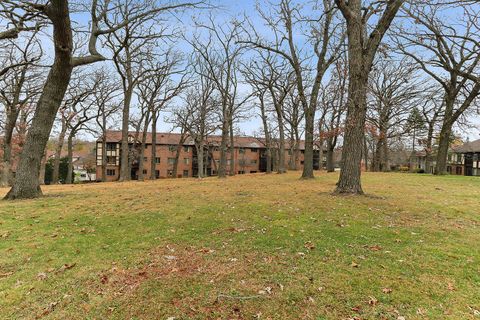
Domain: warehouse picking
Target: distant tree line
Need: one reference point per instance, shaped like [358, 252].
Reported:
[363, 77]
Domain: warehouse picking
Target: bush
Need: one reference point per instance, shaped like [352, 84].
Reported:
[404, 169]
[62, 170]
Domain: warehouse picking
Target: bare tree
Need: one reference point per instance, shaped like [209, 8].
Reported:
[395, 88]
[273, 77]
[362, 48]
[255, 77]
[76, 94]
[19, 17]
[326, 41]
[294, 116]
[333, 108]
[106, 93]
[221, 53]
[198, 115]
[432, 114]
[449, 55]
[19, 87]
[157, 90]
[26, 182]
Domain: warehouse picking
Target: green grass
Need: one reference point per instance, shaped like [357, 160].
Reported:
[254, 246]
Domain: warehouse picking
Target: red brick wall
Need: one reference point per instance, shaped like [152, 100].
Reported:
[247, 161]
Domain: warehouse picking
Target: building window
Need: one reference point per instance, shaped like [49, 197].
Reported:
[186, 160]
[302, 162]
[144, 171]
[241, 172]
[172, 148]
[111, 160]
[186, 148]
[253, 150]
[171, 160]
[145, 159]
[157, 174]
[289, 152]
[241, 150]
[110, 172]
[254, 161]
[111, 147]
[157, 160]
[185, 173]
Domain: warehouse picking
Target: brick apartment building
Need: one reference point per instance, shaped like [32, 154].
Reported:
[249, 156]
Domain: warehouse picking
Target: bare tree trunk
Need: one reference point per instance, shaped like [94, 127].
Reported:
[223, 151]
[385, 163]
[281, 130]
[177, 155]
[268, 141]
[104, 152]
[58, 153]
[291, 151]
[232, 151]
[362, 49]
[354, 134]
[376, 157]
[70, 177]
[12, 115]
[428, 149]
[443, 145]
[124, 153]
[308, 157]
[296, 150]
[141, 157]
[365, 152]
[41, 178]
[330, 150]
[153, 176]
[26, 182]
[200, 156]
[275, 159]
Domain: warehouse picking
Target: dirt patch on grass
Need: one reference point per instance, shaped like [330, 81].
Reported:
[226, 286]
[161, 263]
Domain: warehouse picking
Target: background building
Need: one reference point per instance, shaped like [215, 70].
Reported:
[248, 156]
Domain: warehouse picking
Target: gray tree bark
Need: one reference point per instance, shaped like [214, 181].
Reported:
[26, 182]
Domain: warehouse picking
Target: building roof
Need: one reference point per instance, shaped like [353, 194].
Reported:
[174, 138]
[473, 146]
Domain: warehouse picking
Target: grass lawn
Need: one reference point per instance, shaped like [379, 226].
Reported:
[249, 247]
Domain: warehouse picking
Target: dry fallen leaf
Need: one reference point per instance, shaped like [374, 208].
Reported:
[387, 290]
[451, 286]
[372, 301]
[309, 245]
[66, 267]
[6, 274]
[41, 276]
[354, 265]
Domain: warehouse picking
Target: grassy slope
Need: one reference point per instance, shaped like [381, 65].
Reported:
[268, 247]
